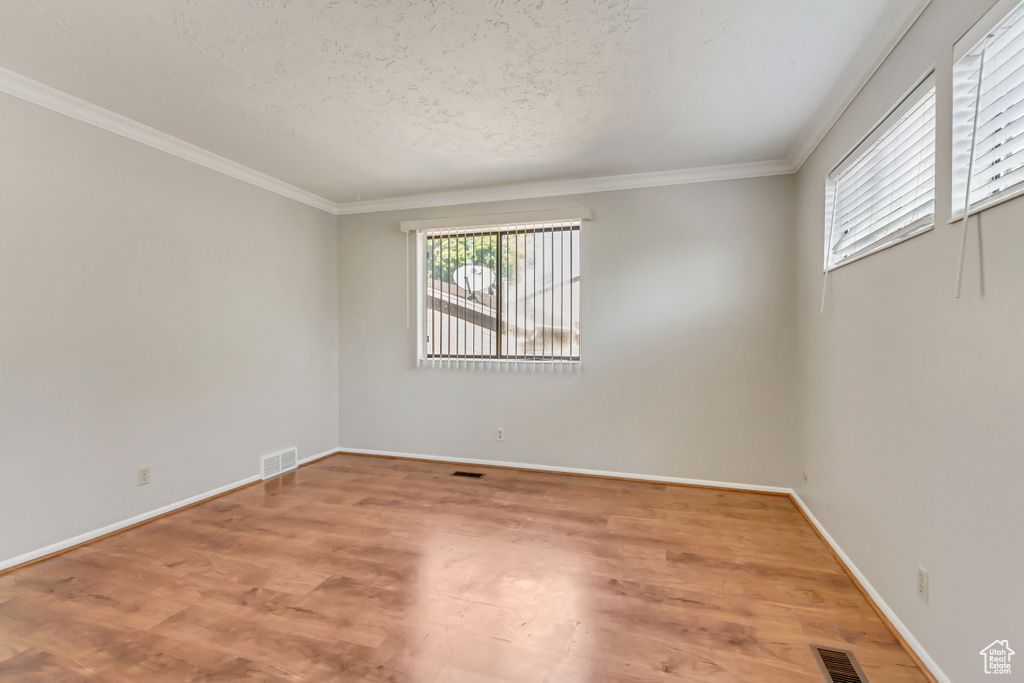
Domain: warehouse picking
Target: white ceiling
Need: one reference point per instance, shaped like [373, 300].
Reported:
[357, 100]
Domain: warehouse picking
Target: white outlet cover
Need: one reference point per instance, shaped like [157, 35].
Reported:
[922, 583]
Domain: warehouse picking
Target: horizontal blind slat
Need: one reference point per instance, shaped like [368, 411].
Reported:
[882, 238]
[998, 104]
[910, 214]
[896, 222]
[884, 212]
[996, 186]
[1009, 158]
[919, 120]
[1004, 56]
[999, 143]
[998, 132]
[896, 161]
[909, 176]
[889, 187]
[885, 183]
[886, 150]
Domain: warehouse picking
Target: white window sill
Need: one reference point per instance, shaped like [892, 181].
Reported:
[985, 204]
[875, 249]
[501, 365]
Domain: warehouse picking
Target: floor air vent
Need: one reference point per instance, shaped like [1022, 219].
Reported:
[273, 465]
[472, 475]
[838, 666]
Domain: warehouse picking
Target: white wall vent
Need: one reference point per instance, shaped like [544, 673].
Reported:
[273, 465]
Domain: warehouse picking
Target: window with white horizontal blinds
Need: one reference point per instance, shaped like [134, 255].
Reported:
[989, 79]
[503, 296]
[884, 191]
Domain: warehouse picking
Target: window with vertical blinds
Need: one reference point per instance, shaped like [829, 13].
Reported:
[505, 295]
[884, 192]
[989, 79]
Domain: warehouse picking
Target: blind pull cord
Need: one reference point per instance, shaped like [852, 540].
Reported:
[824, 288]
[828, 247]
[408, 289]
[970, 174]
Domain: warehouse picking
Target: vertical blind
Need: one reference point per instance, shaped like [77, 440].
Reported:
[886, 192]
[997, 61]
[504, 296]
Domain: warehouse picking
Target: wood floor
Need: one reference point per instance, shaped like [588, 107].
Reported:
[369, 569]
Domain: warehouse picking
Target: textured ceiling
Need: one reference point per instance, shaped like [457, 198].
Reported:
[369, 99]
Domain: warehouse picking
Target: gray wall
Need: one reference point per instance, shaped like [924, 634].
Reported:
[688, 368]
[152, 312]
[157, 313]
[911, 401]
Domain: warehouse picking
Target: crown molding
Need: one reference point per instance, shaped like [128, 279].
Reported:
[42, 95]
[888, 32]
[26, 89]
[558, 188]
[894, 24]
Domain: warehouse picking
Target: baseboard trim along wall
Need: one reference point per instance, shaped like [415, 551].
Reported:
[69, 544]
[605, 474]
[902, 634]
[118, 527]
[319, 456]
[916, 651]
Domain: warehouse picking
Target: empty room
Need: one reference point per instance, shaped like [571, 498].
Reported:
[485, 341]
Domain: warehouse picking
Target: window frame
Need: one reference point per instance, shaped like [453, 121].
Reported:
[962, 52]
[905, 104]
[571, 220]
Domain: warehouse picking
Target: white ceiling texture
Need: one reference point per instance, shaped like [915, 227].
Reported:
[359, 101]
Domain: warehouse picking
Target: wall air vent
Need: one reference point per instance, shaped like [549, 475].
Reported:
[289, 459]
[273, 465]
[838, 666]
[471, 475]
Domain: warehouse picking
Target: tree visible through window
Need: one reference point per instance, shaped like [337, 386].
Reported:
[509, 294]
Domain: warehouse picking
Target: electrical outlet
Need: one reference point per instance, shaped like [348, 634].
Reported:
[805, 475]
[500, 434]
[922, 583]
[143, 475]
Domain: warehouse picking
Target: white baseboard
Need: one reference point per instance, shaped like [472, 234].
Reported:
[882, 605]
[875, 596]
[117, 526]
[318, 456]
[575, 470]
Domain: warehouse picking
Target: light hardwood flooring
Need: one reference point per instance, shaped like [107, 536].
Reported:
[369, 569]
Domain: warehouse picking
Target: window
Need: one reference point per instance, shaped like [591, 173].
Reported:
[884, 191]
[991, 153]
[503, 293]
